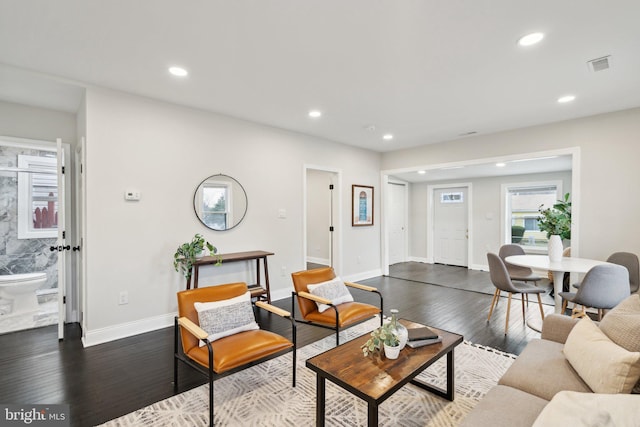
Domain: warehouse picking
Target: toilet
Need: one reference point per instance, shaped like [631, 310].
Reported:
[21, 290]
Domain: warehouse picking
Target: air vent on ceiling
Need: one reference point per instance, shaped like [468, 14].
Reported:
[600, 64]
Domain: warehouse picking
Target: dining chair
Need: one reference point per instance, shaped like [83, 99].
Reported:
[216, 333]
[603, 287]
[502, 281]
[325, 301]
[631, 262]
[520, 274]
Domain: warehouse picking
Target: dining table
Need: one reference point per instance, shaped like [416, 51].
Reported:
[557, 268]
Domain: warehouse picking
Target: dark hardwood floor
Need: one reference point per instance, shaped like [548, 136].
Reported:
[109, 380]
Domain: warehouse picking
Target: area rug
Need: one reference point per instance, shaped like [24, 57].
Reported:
[262, 395]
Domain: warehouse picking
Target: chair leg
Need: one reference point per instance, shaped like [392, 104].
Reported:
[522, 299]
[494, 302]
[540, 306]
[564, 305]
[506, 324]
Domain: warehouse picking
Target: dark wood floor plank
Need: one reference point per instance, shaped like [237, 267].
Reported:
[112, 379]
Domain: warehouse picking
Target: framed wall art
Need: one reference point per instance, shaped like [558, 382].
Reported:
[361, 205]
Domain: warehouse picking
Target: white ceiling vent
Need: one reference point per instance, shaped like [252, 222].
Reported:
[600, 64]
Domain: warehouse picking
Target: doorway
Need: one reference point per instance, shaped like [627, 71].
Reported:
[33, 200]
[397, 223]
[322, 213]
[450, 213]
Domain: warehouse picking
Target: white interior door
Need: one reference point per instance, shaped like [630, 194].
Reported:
[450, 226]
[397, 222]
[62, 245]
[80, 230]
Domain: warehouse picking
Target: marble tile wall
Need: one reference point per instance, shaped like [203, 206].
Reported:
[21, 255]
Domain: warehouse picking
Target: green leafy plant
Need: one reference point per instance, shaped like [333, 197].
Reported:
[380, 336]
[557, 219]
[189, 252]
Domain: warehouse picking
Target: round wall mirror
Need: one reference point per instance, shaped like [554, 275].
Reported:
[220, 202]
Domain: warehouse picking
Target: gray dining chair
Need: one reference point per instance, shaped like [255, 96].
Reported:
[603, 287]
[520, 274]
[501, 280]
[631, 262]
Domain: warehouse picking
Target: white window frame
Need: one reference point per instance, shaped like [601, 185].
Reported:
[505, 235]
[228, 202]
[25, 215]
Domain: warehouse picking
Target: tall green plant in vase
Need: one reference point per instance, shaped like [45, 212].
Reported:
[189, 252]
[556, 222]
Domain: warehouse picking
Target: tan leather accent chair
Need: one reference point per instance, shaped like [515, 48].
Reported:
[228, 354]
[336, 317]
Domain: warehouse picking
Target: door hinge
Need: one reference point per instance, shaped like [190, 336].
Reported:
[330, 186]
[64, 235]
[62, 170]
[331, 228]
[64, 299]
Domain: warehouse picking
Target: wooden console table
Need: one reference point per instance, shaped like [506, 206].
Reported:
[257, 290]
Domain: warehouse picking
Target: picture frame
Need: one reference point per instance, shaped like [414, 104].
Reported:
[361, 205]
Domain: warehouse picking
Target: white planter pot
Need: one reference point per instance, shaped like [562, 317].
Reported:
[391, 352]
[555, 248]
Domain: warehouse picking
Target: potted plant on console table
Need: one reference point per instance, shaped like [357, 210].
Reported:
[188, 253]
[556, 221]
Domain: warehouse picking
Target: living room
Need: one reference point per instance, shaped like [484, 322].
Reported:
[165, 146]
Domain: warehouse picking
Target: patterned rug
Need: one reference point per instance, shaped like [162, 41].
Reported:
[262, 395]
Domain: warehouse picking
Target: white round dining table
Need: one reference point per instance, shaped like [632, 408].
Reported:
[558, 268]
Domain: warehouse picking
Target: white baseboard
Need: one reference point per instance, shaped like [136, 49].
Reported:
[363, 275]
[125, 330]
[419, 259]
[481, 267]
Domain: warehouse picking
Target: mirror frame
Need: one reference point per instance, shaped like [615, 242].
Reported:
[232, 180]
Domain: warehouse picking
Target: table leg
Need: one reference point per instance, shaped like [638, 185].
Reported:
[320, 396]
[558, 278]
[372, 415]
[449, 393]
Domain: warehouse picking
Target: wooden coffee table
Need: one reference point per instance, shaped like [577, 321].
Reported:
[374, 379]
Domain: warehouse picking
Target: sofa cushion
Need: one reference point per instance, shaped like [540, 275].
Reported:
[604, 365]
[505, 406]
[569, 408]
[622, 323]
[543, 370]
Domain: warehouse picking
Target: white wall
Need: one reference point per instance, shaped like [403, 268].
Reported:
[609, 154]
[22, 121]
[485, 213]
[165, 151]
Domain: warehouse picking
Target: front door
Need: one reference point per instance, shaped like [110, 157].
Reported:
[450, 226]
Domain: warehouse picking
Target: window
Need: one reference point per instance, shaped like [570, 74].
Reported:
[216, 201]
[37, 198]
[522, 202]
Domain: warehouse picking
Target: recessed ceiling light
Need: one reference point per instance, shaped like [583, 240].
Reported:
[422, 172]
[566, 98]
[530, 39]
[501, 165]
[178, 71]
[315, 113]
[387, 137]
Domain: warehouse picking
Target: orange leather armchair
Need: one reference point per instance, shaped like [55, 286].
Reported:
[228, 354]
[336, 317]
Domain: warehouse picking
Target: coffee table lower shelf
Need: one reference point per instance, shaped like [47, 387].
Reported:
[374, 380]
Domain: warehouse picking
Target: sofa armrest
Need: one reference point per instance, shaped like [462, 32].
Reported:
[556, 327]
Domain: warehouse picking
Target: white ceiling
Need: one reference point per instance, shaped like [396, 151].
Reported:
[426, 71]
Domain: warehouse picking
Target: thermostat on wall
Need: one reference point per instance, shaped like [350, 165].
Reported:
[132, 195]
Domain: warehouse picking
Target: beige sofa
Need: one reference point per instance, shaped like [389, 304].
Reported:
[545, 368]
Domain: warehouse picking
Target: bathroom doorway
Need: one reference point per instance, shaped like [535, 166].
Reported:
[32, 205]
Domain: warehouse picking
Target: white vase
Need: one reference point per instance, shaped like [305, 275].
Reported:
[555, 248]
[391, 352]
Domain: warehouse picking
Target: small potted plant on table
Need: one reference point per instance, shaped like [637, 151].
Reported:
[383, 338]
